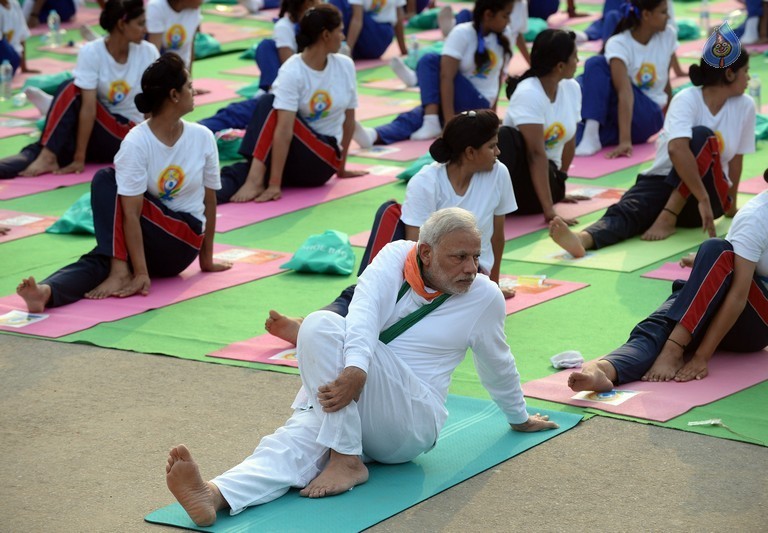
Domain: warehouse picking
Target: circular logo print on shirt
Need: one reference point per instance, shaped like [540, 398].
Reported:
[170, 182]
[377, 6]
[553, 135]
[175, 37]
[646, 76]
[9, 35]
[720, 141]
[118, 91]
[319, 105]
[487, 67]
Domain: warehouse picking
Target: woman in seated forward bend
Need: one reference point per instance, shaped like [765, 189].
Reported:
[299, 135]
[91, 114]
[696, 173]
[628, 85]
[537, 138]
[467, 175]
[155, 212]
[722, 306]
[467, 75]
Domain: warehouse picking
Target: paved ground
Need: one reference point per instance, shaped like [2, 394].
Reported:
[85, 432]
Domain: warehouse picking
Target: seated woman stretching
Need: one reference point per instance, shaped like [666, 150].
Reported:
[537, 139]
[370, 26]
[697, 169]
[466, 175]
[91, 114]
[163, 162]
[299, 135]
[466, 76]
[628, 85]
[722, 306]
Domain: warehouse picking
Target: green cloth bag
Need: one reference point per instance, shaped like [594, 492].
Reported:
[48, 82]
[326, 253]
[535, 27]
[77, 219]
[426, 20]
[228, 142]
[761, 127]
[249, 53]
[206, 45]
[417, 165]
[687, 30]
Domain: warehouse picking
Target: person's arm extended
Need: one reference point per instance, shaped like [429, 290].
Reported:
[734, 173]
[623, 86]
[497, 246]
[685, 164]
[134, 242]
[400, 31]
[355, 26]
[85, 122]
[449, 67]
[280, 145]
[522, 46]
[284, 52]
[346, 138]
[538, 165]
[207, 263]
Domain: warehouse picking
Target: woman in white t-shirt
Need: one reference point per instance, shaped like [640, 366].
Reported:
[628, 85]
[697, 169]
[537, 139]
[91, 114]
[155, 212]
[370, 26]
[172, 25]
[722, 306]
[300, 133]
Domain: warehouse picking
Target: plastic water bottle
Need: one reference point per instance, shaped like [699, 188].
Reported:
[704, 17]
[6, 74]
[54, 29]
[754, 88]
[413, 51]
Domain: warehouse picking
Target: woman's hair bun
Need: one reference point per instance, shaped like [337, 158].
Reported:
[696, 75]
[440, 151]
[142, 104]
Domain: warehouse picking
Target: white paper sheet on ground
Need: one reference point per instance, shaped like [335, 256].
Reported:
[614, 397]
[21, 220]
[19, 319]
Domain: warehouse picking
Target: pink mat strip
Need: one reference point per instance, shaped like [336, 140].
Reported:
[16, 187]
[218, 90]
[596, 166]
[754, 185]
[728, 373]
[23, 224]
[189, 284]
[240, 12]
[250, 71]
[399, 151]
[228, 33]
[45, 65]
[10, 132]
[669, 272]
[382, 106]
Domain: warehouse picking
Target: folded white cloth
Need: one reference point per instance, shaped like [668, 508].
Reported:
[567, 359]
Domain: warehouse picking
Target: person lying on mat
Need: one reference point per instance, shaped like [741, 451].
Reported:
[467, 75]
[375, 383]
[537, 140]
[91, 114]
[370, 25]
[628, 85]
[696, 173]
[722, 306]
[155, 212]
[300, 133]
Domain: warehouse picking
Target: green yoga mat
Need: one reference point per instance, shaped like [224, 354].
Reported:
[475, 438]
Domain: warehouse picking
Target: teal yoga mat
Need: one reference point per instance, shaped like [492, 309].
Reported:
[475, 438]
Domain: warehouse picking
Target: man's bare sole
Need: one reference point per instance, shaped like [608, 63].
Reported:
[591, 378]
[34, 295]
[340, 474]
[200, 499]
[114, 282]
[283, 327]
[45, 162]
[667, 364]
[565, 238]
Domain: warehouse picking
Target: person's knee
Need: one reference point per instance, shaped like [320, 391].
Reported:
[104, 178]
[715, 245]
[320, 324]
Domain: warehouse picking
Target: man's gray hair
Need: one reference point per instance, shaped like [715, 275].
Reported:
[445, 221]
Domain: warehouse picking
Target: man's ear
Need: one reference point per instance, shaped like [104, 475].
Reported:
[425, 253]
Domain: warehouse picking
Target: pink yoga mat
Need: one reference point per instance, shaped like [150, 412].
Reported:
[189, 284]
[228, 33]
[18, 130]
[382, 106]
[399, 151]
[236, 215]
[45, 65]
[754, 185]
[728, 373]
[596, 166]
[669, 272]
[269, 350]
[47, 182]
[218, 90]
[252, 71]
[428, 35]
[691, 49]
[756, 48]
[389, 53]
[240, 12]
[560, 19]
[23, 224]
[27, 113]
[392, 84]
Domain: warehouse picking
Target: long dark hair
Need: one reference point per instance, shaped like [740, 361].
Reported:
[314, 22]
[631, 13]
[549, 48]
[116, 10]
[293, 8]
[168, 72]
[705, 75]
[482, 57]
[470, 128]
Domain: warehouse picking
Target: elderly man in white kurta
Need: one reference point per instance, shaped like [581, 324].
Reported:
[375, 383]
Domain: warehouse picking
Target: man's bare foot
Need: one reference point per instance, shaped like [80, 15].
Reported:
[199, 499]
[592, 378]
[696, 368]
[44, 163]
[110, 286]
[341, 474]
[669, 361]
[565, 238]
[283, 327]
[249, 191]
[662, 227]
[34, 295]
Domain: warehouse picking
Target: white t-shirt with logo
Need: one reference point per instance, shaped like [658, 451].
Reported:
[530, 105]
[13, 25]
[734, 127]
[749, 232]
[380, 10]
[319, 97]
[518, 20]
[116, 84]
[284, 34]
[177, 28]
[489, 194]
[177, 175]
[647, 64]
[461, 44]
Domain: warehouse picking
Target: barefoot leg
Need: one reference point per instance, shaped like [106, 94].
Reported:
[669, 361]
[573, 243]
[44, 163]
[200, 499]
[254, 183]
[283, 327]
[119, 277]
[662, 227]
[340, 474]
[597, 376]
[35, 296]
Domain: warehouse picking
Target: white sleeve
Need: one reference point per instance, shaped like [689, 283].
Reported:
[351, 81]
[457, 43]
[286, 89]
[355, 2]
[155, 19]
[284, 36]
[671, 34]
[750, 240]
[616, 47]
[747, 141]
[681, 113]
[507, 200]
[420, 198]
[211, 172]
[525, 107]
[86, 73]
[131, 168]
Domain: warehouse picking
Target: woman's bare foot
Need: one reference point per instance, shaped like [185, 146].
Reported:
[593, 377]
[4, 229]
[199, 499]
[669, 361]
[340, 474]
[34, 295]
[696, 368]
[44, 163]
[662, 227]
[283, 327]
[249, 191]
[565, 238]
